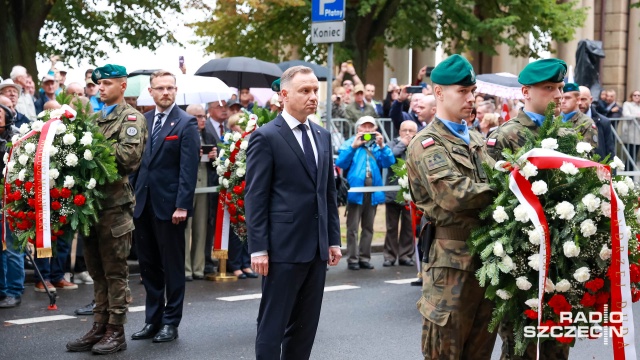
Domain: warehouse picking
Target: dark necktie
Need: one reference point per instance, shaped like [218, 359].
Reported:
[221, 131]
[308, 151]
[156, 129]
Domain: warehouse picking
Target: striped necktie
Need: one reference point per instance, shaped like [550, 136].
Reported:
[156, 129]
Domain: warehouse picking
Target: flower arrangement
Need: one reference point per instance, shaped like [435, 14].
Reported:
[53, 171]
[576, 203]
[231, 167]
[400, 173]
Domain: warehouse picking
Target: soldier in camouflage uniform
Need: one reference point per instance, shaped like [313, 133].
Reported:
[448, 184]
[107, 247]
[570, 107]
[543, 82]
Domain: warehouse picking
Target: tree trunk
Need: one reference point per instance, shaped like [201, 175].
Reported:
[20, 24]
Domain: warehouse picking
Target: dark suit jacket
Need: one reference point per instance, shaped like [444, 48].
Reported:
[288, 213]
[397, 115]
[169, 173]
[211, 136]
[606, 140]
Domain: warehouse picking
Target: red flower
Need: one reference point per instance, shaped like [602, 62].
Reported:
[241, 218]
[227, 174]
[559, 304]
[58, 232]
[21, 215]
[54, 238]
[602, 298]
[241, 203]
[65, 193]
[79, 200]
[32, 203]
[243, 183]
[22, 225]
[635, 294]
[63, 219]
[229, 196]
[18, 183]
[594, 285]
[565, 339]
[28, 186]
[634, 272]
[238, 189]
[232, 157]
[531, 314]
[233, 219]
[68, 114]
[588, 300]
[55, 193]
[56, 206]
[17, 195]
[232, 209]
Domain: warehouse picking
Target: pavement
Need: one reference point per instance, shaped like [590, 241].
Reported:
[364, 316]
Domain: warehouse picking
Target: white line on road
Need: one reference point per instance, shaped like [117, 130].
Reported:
[400, 282]
[136, 308]
[259, 296]
[40, 319]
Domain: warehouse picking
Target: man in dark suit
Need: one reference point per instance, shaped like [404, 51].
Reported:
[292, 219]
[606, 141]
[164, 187]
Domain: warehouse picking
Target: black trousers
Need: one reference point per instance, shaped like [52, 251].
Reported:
[290, 310]
[161, 256]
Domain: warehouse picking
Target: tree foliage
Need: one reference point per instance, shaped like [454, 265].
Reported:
[76, 28]
[271, 29]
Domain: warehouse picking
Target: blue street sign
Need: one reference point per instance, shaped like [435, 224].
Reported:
[327, 10]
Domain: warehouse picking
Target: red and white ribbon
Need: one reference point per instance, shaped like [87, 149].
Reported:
[623, 347]
[221, 240]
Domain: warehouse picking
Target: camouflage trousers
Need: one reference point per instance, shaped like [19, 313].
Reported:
[105, 251]
[549, 350]
[455, 314]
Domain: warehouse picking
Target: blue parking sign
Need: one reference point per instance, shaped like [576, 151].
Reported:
[327, 10]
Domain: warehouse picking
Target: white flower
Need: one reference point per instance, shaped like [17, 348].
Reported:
[621, 187]
[523, 283]
[568, 168]
[534, 236]
[23, 159]
[91, 184]
[529, 170]
[69, 139]
[232, 146]
[407, 196]
[244, 145]
[605, 253]
[86, 139]
[30, 148]
[563, 286]
[507, 262]
[10, 165]
[570, 249]
[22, 174]
[520, 213]
[582, 274]
[591, 201]
[629, 181]
[253, 117]
[499, 215]
[402, 182]
[549, 143]
[69, 182]
[539, 187]
[221, 154]
[15, 138]
[605, 208]
[565, 210]
[71, 160]
[61, 129]
[227, 137]
[534, 262]
[240, 172]
[500, 166]
[588, 228]
[227, 162]
[53, 150]
[548, 286]
[37, 125]
[220, 170]
[56, 114]
[225, 183]
[251, 125]
[24, 128]
[88, 155]
[220, 180]
[503, 294]
[497, 249]
[532, 303]
[5, 159]
[236, 136]
[583, 148]
[42, 114]
[241, 120]
[617, 163]
[605, 191]
[53, 174]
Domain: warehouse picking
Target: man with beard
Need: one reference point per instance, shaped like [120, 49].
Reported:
[606, 141]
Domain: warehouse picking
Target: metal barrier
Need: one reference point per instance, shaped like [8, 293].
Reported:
[626, 131]
[342, 129]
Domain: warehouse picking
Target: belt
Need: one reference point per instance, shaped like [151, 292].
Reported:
[451, 233]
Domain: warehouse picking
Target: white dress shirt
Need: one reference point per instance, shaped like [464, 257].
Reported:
[166, 113]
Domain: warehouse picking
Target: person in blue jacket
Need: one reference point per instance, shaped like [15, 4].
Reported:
[363, 157]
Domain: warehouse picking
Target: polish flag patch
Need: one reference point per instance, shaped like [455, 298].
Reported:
[427, 142]
[132, 118]
[593, 126]
[491, 142]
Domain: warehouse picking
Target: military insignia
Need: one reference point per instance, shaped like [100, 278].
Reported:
[436, 160]
[131, 131]
[427, 142]
[491, 142]
[561, 76]
[132, 118]
[593, 126]
[595, 139]
[97, 74]
[473, 75]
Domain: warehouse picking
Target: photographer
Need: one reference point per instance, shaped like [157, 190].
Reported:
[362, 157]
[338, 107]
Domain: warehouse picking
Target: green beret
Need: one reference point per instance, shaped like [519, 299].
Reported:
[552, 70]
[455, 70]
[275, 85]
[108, 71]
[571, 87]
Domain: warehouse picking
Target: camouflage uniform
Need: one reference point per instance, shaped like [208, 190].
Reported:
[586, 127]
[448, 183]
[107, 247]
[510, 135]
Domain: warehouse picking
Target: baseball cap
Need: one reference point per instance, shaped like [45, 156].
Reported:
[366, 119]
[358, 88]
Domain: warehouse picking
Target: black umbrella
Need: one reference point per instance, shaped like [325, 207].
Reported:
[242, 72]
[322, 72]
[142, 72]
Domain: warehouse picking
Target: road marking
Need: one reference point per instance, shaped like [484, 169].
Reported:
[259, 296]
[402, 281]
[40, 319]
[136, 308]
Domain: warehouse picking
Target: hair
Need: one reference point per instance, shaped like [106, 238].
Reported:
[233, 120]
[489, 105]
[194, 107]
[492, 119]
[631, 94]
[88, 71]
[18, 70]
[291, 72]
[160, 73]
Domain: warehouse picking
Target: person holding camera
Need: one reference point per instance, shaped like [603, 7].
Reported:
[362, 157]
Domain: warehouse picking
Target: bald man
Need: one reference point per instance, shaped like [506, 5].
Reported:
[75, 89]
[606, 141]
[425, 108]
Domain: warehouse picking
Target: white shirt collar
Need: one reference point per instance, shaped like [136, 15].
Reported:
[166, 112]
[293, 122]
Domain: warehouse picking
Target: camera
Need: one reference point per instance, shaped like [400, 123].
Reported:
[368, 138]
[414, 89]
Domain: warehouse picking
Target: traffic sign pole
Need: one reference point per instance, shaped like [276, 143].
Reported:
[329, 87]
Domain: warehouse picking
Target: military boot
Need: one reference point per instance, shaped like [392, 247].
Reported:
[91, 338]
[112, 341]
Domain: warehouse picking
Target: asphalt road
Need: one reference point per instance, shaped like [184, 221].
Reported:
[374, 320]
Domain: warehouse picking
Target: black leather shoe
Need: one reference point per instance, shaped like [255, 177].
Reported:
[198, 277]
[10, 301]
[354, 266]
[87, 309]
[167, 333]
[388, 263]
[188, 278]
[250, 275]
[417, 282]
[407, 263]
[147, 332]
[365, 265]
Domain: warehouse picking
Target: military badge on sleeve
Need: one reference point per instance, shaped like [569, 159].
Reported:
[436, 160]
[132, 131]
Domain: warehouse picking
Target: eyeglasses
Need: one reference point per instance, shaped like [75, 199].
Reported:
[162, 89]
[635, 95]
[201, 116]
